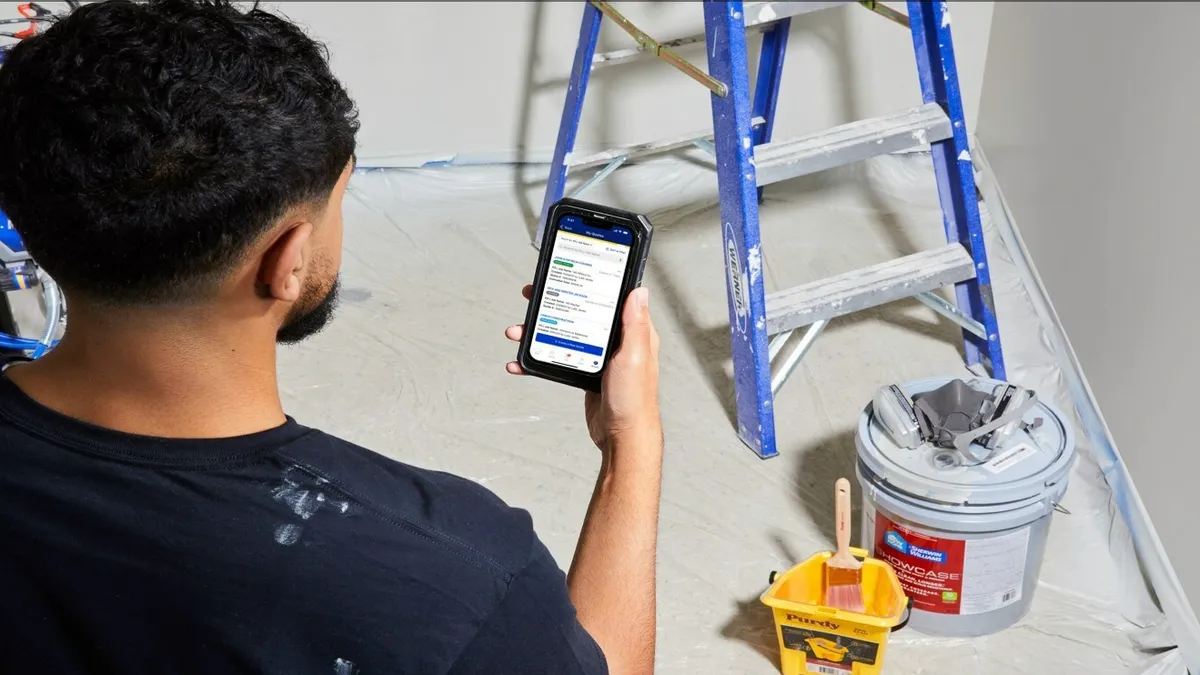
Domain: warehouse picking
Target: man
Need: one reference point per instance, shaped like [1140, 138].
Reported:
[178, 167]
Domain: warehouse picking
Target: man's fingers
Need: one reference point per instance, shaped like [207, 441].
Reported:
[515, 332]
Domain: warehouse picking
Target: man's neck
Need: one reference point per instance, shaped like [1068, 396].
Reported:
[170, 379]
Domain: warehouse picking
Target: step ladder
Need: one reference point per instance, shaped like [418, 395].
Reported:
[747, 158]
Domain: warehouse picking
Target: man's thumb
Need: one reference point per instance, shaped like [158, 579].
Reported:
[636, 316]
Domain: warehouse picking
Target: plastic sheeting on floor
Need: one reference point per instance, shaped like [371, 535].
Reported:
[413, 368]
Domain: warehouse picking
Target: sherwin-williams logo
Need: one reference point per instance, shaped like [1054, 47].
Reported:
[926, 554]
[894, 540]
[897, 542]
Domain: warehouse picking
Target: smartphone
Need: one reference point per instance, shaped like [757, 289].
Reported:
[592, 257]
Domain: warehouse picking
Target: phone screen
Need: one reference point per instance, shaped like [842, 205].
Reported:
[579, 302]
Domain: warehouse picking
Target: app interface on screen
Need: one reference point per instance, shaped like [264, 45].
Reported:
[575, 318]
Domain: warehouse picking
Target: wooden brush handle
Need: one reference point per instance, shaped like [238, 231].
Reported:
[841, 510]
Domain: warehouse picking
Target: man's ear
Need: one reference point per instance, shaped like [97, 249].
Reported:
[284, 262]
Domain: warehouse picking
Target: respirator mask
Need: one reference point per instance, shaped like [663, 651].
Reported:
[956, 416]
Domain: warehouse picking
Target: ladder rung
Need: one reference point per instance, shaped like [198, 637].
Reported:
[646, 149]
[867, 287]
[619, 56]
[849, 143]
[757, 14]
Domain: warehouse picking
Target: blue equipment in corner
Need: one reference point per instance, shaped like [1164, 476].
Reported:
[11, 246]
[19, 272]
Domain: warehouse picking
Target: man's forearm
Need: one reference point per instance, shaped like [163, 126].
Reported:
[612, 577]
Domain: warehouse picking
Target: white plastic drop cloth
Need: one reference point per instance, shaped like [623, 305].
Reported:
[413, 368]
[434, 262]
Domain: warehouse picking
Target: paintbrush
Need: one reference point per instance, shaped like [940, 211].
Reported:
[843, 572]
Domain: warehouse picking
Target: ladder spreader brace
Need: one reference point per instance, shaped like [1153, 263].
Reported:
[652, 46]
[747, 159]
[649, 46]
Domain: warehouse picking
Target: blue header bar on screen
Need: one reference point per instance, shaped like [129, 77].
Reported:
[617, 234]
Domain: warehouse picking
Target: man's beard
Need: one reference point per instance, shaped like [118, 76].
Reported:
[310, 315]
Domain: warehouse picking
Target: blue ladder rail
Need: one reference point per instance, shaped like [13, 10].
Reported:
[737, 185]
[934, 47]
[742, 130]
[581, 70]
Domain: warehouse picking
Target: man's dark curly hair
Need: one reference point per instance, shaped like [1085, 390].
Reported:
[145, 145]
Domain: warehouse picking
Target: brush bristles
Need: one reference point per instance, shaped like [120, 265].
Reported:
[847, 597]
[843, 588]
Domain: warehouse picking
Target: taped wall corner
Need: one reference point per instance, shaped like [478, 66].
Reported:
[1101, 174]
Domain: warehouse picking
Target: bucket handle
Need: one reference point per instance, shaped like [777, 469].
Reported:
[907, 615]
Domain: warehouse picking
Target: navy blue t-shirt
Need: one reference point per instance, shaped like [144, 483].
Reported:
[287, 551]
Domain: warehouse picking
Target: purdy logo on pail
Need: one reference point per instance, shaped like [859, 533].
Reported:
[813, 622]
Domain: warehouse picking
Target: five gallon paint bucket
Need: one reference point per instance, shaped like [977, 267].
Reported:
[966, 541]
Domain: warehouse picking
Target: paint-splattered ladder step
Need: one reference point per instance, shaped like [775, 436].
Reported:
[867, 287]
[781, 160]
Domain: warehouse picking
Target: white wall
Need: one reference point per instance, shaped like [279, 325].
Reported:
[1088, 119]
[439, 78]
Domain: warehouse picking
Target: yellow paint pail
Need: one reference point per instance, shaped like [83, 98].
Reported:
[822, 640]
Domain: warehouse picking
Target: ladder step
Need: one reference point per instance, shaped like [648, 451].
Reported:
[849, 143]
[646, 149]
[867, 287]
[757, 14]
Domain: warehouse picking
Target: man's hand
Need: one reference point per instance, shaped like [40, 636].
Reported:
[612, 577]
[626, 411]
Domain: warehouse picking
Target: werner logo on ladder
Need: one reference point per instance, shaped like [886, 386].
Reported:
[748, 159]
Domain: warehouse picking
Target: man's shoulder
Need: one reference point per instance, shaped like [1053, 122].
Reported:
[453, 513]
[437, 572]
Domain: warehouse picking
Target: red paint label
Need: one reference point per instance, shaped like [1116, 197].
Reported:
[929, 569]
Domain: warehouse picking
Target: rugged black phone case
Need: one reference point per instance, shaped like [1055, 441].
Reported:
[596, 215]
